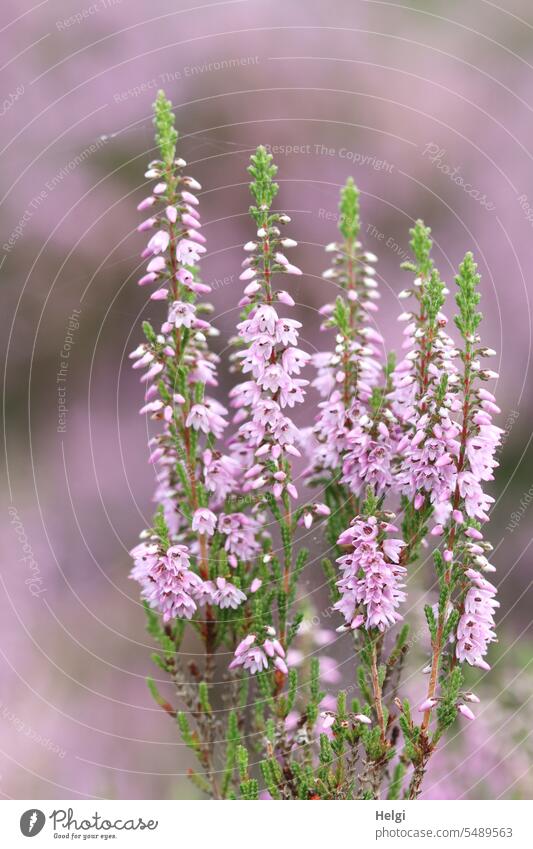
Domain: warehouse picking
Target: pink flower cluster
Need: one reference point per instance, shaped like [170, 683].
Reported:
[476, 626]
[227, 546]
[369, 456]
[481, 447]
[173, 250]
[421, 431]
[429, 448]
[346, 377]
[271, 356]
[221, 473]
[241, 537]
[170, 585]
[464, 710]
[255, 657]
[371, 585]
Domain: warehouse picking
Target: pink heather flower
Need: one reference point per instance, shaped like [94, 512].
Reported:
[184, 276]
[328, 719]
[189, 252]
[392, 548]
[428, 462]
[159, 295]
[465, 711]
[205, 418]
[473, 533]
[477, 503]
[309, 514]
[170, 264]
[147, 224]
[245, 644]
[276, 653]
[168, 583]
[344, 435]
[205, 594]
[156, 264]
[195, 236]
[471, 697]
[145, 555]
[256, 658]
[192, 183]
[190, 221]
[481, 447]
[256, 585]
[272, 358]
[249, 656]
[181, 314]
[221, 473]
[247, 274]
[227, 595]
[198, 418]
[151, 407]
[178, 557]
[146, 203]
[371, 578]
[159, 242]
[292, 269]
[475, 627]
[285, 298]
[147, 278]
[190, 198]
[241, 532]
[427, 704]
[204, 521]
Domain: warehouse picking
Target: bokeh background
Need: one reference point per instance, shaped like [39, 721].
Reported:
[429, 105]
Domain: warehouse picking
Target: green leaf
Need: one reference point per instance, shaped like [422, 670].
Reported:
[166, 135]
[421, 244]
[467, 298]
[395, 786]
[263, 188]
[349, 222]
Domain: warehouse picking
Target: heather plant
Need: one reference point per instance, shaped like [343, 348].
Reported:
[396, 460]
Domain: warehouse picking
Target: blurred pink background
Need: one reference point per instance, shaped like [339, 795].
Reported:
[429, 107]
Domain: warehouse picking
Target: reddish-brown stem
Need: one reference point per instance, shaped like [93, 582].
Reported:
[376, 689]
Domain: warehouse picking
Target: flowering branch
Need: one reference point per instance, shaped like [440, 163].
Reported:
[223, 559]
